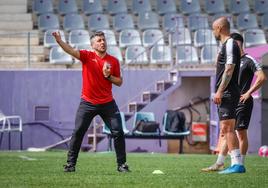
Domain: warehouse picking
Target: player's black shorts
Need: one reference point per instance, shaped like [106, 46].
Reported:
[243, 114]
[227, 107]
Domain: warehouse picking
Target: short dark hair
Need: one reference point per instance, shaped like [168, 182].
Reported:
[238, 37]
[97, 33]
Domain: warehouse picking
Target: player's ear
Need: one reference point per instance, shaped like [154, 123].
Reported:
[219, 27]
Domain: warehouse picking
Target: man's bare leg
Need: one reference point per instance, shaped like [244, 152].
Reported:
[223, 150]
[243, 143]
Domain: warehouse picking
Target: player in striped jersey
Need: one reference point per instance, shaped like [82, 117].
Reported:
[248, 68]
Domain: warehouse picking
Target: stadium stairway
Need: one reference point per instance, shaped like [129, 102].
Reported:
[150, 96]
[162, 89]
[151, 100]
[16, 31]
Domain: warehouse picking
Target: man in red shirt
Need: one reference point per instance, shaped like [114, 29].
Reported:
[99, 71]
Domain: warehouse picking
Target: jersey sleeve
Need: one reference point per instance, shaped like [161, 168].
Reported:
[231, 55]
[254, 65]
[84, 55]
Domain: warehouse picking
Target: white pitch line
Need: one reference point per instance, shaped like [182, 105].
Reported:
[27, 158]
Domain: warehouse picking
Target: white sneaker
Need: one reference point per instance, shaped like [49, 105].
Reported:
[213, 168]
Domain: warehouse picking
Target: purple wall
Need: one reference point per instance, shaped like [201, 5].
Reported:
[21, 91]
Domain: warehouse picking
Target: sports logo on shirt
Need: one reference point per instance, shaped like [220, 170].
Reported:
[225, 114]
[241, 124]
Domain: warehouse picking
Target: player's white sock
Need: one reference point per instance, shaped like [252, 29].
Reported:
[236, 157]
[220, 159]
[243, 159]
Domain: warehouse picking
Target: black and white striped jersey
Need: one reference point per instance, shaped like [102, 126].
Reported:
[248, 67]
[229, 54]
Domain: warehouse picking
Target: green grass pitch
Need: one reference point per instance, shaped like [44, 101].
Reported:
[45, 169]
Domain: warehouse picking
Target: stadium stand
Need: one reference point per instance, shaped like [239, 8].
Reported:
[180, 36]
[49, 40]
[123, 21]
[246, 21]
[208, 54]
[48, 21]
[260, 6]
[264, 21]
[151, 37]
[136, 55]
[72, 22]
[129, 37]
[83, 47]
[79, 37]
[214, 6]
[41, 6]
[161, 55]
[139, 6]
[254, 37]
[238, 6]
[67, 7]
[190, 7]
[110, 37]
[172, 20]
[116, 6]
[98, 22]
[148, 20]
[127, 21]
[204, 37]
[197, 21]
[165, 6]
[186, 54]
[58, 56]
[92, 7]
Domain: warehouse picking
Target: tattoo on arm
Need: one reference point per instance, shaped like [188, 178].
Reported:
[227, 76]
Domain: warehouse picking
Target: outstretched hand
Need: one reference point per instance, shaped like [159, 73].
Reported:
[56, 35]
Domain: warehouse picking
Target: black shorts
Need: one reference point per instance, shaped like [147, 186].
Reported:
[227, 108]
[243, 114]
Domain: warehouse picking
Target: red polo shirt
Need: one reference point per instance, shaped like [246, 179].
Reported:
[96, 89]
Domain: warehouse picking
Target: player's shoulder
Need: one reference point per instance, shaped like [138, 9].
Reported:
[251, 62]
[249, 59]
[230, 43]
[247, 56]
